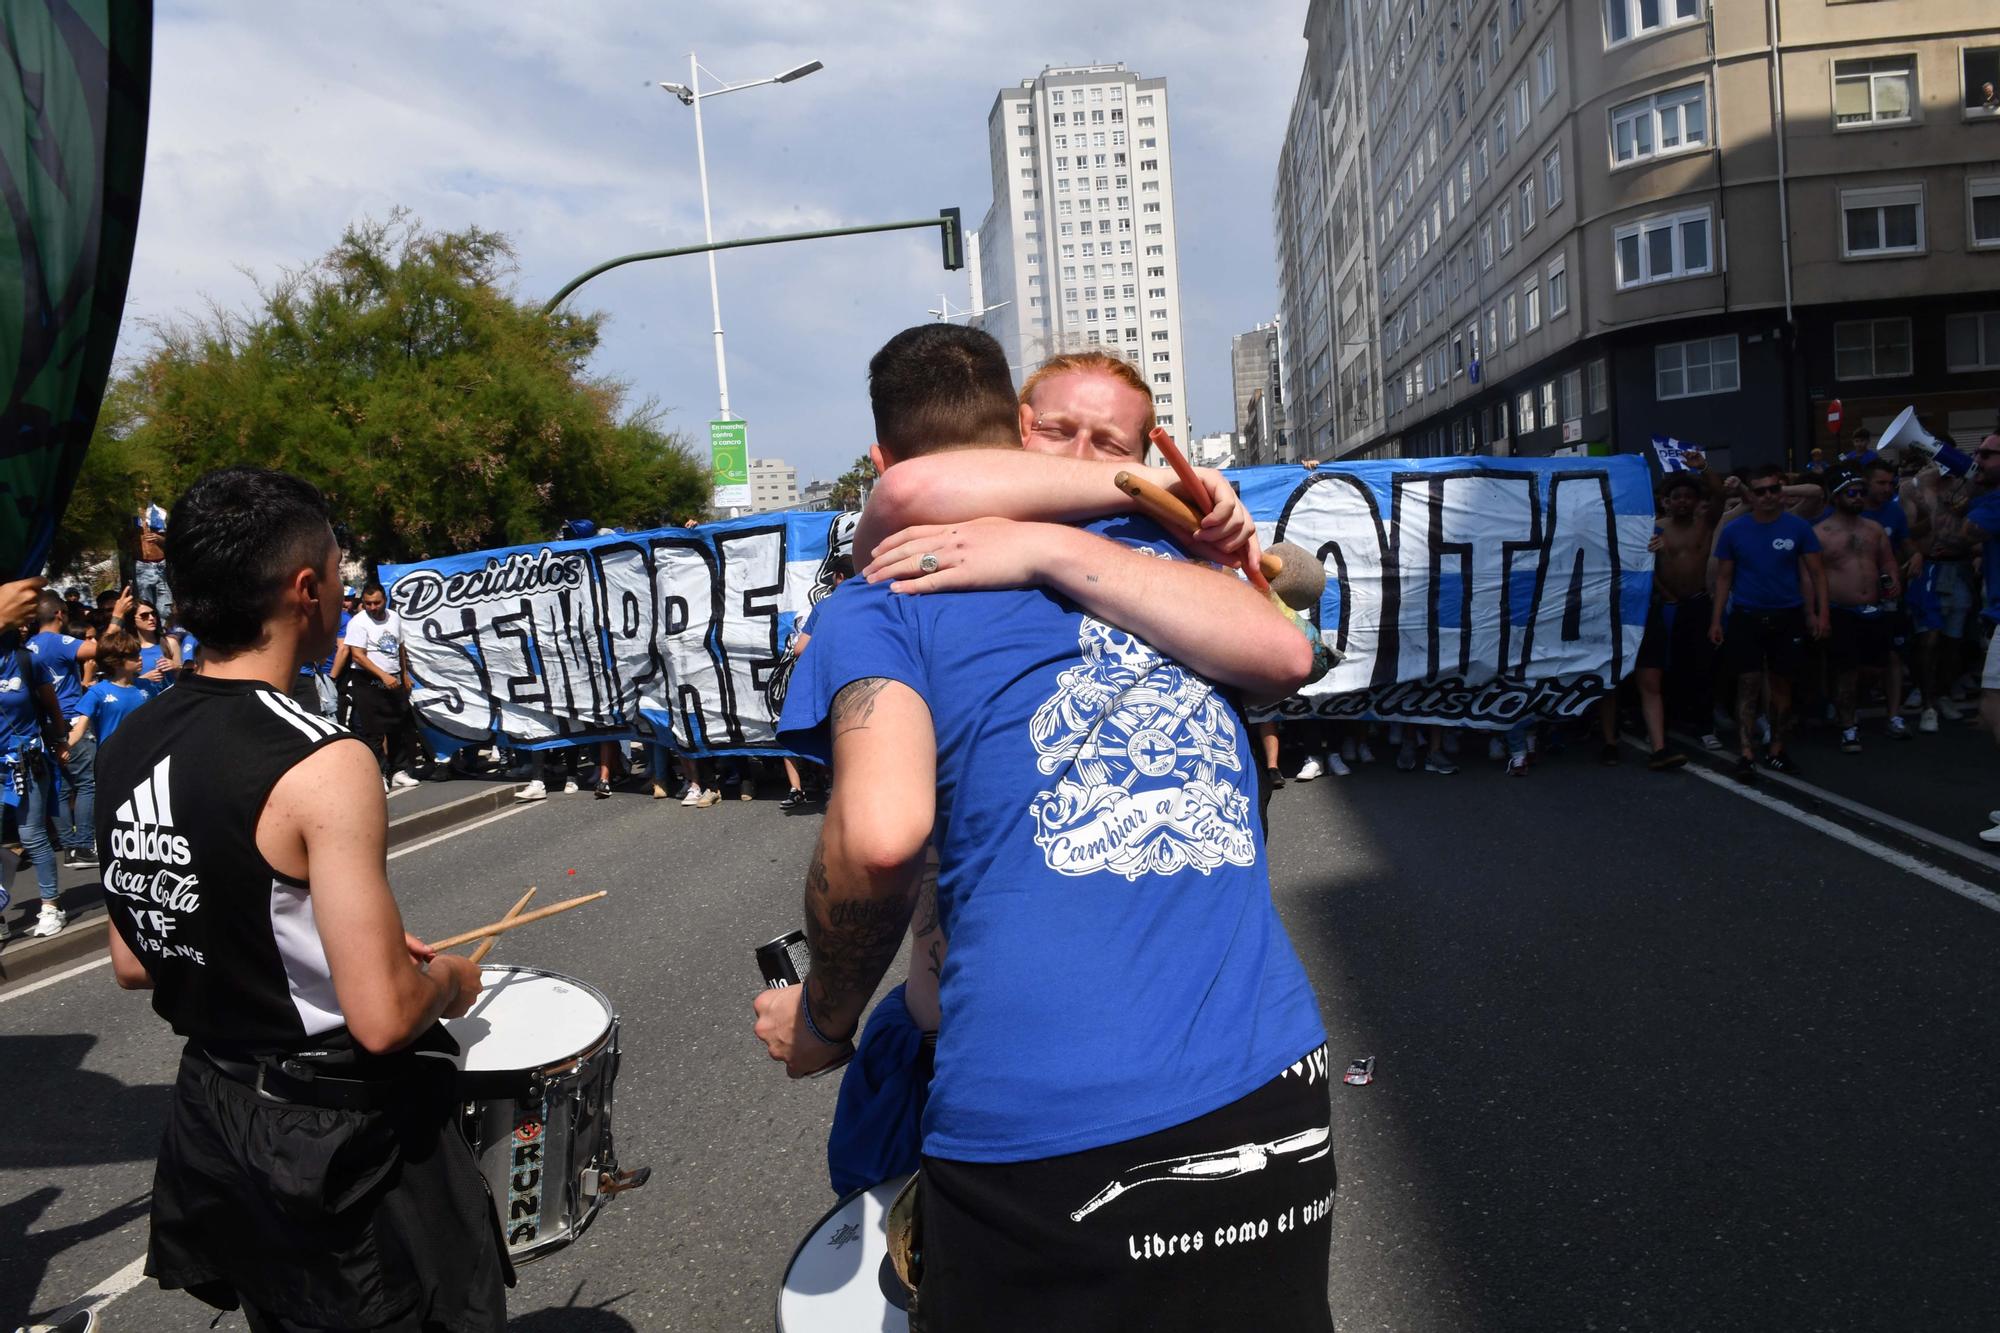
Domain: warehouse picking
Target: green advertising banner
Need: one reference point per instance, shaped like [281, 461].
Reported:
[74, 84]
[729, 460]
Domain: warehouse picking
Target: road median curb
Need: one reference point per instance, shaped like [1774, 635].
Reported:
[25, 958]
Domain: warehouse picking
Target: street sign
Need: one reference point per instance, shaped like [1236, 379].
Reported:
[1833, 417]
[729, 460]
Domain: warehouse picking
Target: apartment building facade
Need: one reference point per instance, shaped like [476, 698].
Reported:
[1597, 221]
[1079, 242]
[774, 484]
[1256, 368]
[1329, 321]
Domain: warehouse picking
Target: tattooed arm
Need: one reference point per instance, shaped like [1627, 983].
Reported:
[862, 884]
[927, 946]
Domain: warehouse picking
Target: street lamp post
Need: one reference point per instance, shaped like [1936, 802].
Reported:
[692, 94]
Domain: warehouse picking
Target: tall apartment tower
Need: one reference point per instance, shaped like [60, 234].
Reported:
[1079, 241]
[1259, 424]
[1598, 221]
[1329, 318]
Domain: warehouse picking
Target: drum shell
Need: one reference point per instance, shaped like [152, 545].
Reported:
[542, 1136]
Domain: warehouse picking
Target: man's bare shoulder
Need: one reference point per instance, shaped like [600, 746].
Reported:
[341, 778]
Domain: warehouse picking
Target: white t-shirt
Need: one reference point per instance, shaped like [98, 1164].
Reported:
[379, 639]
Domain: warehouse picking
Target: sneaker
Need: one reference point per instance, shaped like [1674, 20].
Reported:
[1440, 762]
[1745, 770]
[660, 792]
[1517, 766]
[1899, 729]
[79, 858]
[1274, 777]
[747, 790]
[794, 800]
[1913, 700]
[1367, 755]
[1952, 712]
[692, 796]
[1989, 835]
[1850, 740]
[1406, 758]
[1665, 761]
[713, 796]
[401, 778]
[1309, 770]
[1338, 766]
[1607, 754]
[1778, 761]
[569, 787]
[1710, 741]
[534, 791]
[1927, 721]
[50, 922]
[603, 790]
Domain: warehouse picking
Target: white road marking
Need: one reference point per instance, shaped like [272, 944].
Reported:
[1924, 870]
[132, 1274]
[1869, 812]
[64, 975]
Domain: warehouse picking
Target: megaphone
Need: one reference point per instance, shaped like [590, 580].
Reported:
[1906, 432]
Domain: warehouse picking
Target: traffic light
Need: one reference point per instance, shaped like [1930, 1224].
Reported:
[954, 238]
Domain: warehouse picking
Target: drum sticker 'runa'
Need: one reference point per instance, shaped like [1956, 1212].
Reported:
[524, 1178]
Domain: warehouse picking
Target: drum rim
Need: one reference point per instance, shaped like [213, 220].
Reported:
[778, 1301]
[589, 1051]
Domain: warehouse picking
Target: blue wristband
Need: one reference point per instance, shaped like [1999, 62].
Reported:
[805, 1012]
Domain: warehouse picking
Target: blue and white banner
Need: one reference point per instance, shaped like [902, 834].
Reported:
[1672, 453]
[1464, 591]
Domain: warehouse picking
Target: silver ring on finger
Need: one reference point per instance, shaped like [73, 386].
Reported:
[928, 564]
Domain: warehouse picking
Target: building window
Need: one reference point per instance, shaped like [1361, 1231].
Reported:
[1972, 342]
[1549, 404]
[1545, 72]
[1663, 248]
[1479, 158]
[1982, 203]
[1485, 246]
[1524, 413]
[1626, 19]
[1670, 122]
[1521, 108]
[1527, 196]
[1513, 318]
[1882, 222]
[1572, 395]
[1492, 331]
[1871, 349]
[1558, 286]
[1500, 136]
[1506, 228]
[1982, 82]
[1874, 92]
[1691, 369]
[1596, 380]
[1531, 306]
[1552, 178]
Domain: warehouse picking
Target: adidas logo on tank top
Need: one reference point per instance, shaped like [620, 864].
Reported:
[143, 827]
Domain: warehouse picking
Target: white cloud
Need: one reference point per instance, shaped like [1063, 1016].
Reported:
[275, 125]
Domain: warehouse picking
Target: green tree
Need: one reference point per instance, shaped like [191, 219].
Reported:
[846, 492]
[437, 412]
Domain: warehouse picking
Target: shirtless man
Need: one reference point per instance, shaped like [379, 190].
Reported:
[1862, 584]
[1943, 599]
[1677, 623]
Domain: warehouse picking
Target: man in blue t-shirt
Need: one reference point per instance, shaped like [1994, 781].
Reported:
[62, 657]
[1093, 806]
[1771, 588]
[1982, 522]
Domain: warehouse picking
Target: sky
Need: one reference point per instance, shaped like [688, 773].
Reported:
[276, 124]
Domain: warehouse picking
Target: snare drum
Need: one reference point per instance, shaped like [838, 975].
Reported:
[540, 1056]
[839, 1279]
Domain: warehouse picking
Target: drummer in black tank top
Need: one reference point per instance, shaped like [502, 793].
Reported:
[310, 1170]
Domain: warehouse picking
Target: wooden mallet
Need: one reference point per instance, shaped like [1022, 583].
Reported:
[486, 945]
[1294, 577]
[513, 923]
[1198, 496]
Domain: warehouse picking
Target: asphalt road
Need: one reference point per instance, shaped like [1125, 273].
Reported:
[1650, 1056]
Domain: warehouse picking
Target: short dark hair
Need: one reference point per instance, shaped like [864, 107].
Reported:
[942, 386]
[1681, 481]
[49, 607]
[236, 538]
[373, 585]
[1880, 464]
[1763, 470]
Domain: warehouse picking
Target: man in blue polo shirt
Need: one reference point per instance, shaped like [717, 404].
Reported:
[1101, 866]
[1771, 588]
